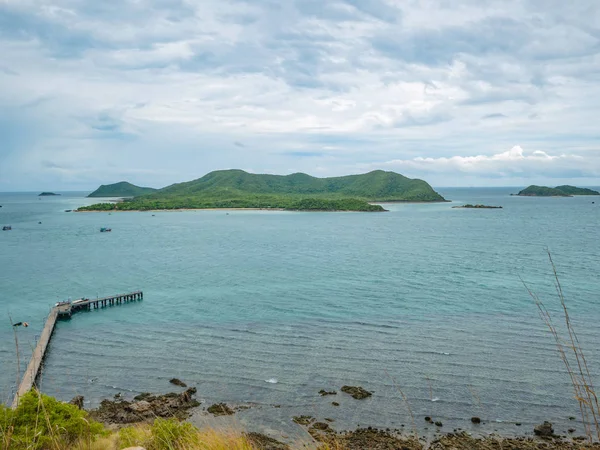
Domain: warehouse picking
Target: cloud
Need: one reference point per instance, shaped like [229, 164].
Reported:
[513, 163]
[161, 88]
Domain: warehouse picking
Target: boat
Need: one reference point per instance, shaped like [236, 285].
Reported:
[68, 302]
[6, 228]
[105, 230]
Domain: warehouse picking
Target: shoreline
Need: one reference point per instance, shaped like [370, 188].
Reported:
[266, 209]
[179, 210]
[471, 435]
[227, 209]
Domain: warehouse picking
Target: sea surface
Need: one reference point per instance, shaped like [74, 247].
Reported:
[424, 305]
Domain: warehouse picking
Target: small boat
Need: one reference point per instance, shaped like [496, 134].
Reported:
[6, 228]
[68, 210]
[105, 230]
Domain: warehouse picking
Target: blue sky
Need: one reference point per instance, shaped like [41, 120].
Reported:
[460, 93]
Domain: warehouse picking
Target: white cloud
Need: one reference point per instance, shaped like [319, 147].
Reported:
[513, 163]
[171, 85]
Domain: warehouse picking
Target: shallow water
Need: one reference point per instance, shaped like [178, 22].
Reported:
[424, 300]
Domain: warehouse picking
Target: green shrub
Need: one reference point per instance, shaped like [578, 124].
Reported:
[42, 422]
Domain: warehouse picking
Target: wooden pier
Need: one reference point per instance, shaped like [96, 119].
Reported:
[63, 310]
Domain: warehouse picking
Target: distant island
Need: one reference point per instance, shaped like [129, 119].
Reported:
[296, 192]
[468, 205]
[121, 189]
[47, 194]
[558, 191]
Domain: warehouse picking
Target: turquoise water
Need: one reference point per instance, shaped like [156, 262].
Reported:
[424, 299]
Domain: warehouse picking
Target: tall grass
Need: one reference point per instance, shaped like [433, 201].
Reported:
[572, 355]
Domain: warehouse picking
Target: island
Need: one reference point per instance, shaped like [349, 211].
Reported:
[233, 189]
[121, 189]
[558, 191]
[468, 205]
[47, 194]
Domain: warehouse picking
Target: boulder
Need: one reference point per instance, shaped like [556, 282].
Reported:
[220, 409]
[356, 392]
[177, 382]
[544, 430]
[323, 392]
[146, 408]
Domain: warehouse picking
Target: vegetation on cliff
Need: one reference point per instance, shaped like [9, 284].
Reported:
[558, 191]
[239, 189]
[121, 189]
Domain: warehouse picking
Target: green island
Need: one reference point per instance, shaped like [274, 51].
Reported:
[558, 191]
[47, 194]
[121, 189]
[478, 206]
[296, 192]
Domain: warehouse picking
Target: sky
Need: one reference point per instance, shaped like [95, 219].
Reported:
[456, 92]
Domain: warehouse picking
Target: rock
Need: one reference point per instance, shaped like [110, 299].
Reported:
[303, 420]
[327, 419]
[77, 401]
[321, 426]
[261, 442]
[571, 430]
[428, 419]
[544, 430]
[141, 406]
[177, 382]
[335, 403]
[323, 392]
[475, 420]
[220, 409]
[571, 417]
[439, 424]
[146, 407]
[356, 392]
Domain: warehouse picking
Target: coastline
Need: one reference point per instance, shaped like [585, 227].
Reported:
[229, 209]
[179, 210]
[317, 429]
[265, 209]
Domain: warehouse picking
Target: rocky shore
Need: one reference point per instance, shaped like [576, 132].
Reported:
[146, 407]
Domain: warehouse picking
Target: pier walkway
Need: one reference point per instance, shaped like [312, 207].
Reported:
[62, 310]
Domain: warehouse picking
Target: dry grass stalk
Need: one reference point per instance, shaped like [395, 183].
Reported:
[571, 353]
[406, 402]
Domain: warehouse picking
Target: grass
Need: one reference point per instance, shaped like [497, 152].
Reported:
[572, 355]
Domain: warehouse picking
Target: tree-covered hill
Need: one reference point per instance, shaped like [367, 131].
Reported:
[374, 186]
[558, 191]
[239, 189]
[121, 189]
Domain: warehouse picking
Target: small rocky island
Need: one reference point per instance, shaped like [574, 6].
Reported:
[468, 205]
[47, 194]
[558, 191]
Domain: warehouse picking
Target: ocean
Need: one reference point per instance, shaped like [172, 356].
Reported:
[424, 305]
